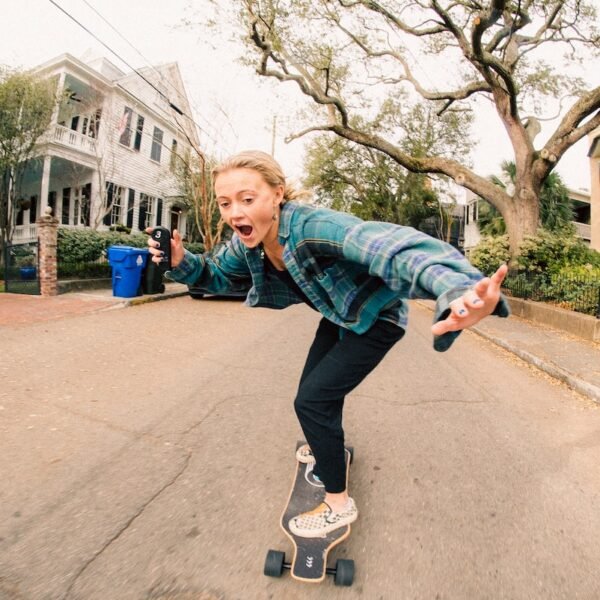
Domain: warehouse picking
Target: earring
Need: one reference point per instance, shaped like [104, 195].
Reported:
[274, 216]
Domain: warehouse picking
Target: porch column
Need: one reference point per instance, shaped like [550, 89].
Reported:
[45, 187]
[47, 227]
[60, 89]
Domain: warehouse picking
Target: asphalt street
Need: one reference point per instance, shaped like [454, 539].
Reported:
[146, 454]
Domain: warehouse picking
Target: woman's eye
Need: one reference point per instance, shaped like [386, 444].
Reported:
[248, 200]
[223, 204]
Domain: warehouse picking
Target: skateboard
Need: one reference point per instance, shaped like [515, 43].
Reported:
[310, 554]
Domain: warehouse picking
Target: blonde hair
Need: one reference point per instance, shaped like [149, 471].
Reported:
[267, 166]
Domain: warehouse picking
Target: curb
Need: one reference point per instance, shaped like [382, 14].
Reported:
[155, 297]
[575, 383]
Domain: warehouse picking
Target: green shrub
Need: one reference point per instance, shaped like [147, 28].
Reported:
[194, 247]
[549, 252]
[82, 252]
[79, 245]
[576, 288]
[490, 253]
[87, 245]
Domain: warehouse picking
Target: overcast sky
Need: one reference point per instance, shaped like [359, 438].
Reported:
[234, 107]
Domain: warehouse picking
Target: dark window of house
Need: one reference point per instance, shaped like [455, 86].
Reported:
[33, 209]
[130, 205]
[115, 211]
[66, 204]
[159, 204]
[157, 139]
[86, 201]
[137, 144]
[144, 205]
[74, 123]
[125, 127]
[109, 198]
[84, 126]
[52, 202]
[19, 217]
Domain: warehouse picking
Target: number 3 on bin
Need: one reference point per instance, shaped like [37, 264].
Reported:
[163, 236]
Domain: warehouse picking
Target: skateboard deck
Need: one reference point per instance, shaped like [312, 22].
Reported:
[309, 562]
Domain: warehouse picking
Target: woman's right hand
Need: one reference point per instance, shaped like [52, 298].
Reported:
[177, 250]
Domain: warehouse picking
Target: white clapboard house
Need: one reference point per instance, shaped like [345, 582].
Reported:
[109, 155]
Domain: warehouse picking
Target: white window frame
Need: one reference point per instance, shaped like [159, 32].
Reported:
[116, 208]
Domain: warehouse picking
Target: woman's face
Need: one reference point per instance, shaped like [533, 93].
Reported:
[247, 204]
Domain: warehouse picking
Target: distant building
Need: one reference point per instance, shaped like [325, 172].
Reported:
[108, 156]
[582, 208]
[594, 214]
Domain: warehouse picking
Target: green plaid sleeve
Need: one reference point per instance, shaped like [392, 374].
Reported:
[416, 266]
[225, 271]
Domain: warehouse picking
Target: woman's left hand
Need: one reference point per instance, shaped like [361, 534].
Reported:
[474, 305]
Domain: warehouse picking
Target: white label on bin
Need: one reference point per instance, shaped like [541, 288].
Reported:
[140, 260]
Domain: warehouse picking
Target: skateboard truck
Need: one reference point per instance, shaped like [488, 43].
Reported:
[343, 572]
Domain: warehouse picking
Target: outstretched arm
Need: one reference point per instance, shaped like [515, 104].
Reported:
[473, 305]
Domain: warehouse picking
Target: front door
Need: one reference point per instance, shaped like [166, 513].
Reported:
[174, 220]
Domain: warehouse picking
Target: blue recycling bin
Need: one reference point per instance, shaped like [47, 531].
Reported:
[127, 264]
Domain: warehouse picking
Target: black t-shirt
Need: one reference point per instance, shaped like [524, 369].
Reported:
[286, 279]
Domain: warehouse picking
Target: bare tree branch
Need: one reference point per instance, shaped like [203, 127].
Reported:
[303, 80]
[570, 130]
[460, 94]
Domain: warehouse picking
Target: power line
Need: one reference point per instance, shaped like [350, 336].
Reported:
[136, 71]
[164, 79]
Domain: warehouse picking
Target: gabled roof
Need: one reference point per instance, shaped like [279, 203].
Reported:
[168, 84]
[166, 77]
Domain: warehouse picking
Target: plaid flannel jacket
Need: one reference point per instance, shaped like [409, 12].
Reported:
[354, 272]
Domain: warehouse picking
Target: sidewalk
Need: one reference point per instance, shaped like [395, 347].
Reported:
[569, 359]
[21, 309]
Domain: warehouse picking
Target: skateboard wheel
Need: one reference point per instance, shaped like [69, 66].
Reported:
[344, 572]
[274, 563]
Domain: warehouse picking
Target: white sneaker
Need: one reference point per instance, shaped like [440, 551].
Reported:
[310, 476]
[304, 454]
[322, 520]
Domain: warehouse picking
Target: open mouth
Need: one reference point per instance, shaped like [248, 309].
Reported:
[244, 230]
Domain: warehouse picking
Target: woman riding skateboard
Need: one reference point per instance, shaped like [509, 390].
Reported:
[357, 274]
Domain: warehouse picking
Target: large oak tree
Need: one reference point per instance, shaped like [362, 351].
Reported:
[376, 58]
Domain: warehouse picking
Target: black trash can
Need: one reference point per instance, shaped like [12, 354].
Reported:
[152, 279]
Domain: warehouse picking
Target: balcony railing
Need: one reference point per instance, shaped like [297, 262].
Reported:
[73, 139]
[24, 233]
[583, 230]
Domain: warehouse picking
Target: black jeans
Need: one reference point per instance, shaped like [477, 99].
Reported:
[337, 362]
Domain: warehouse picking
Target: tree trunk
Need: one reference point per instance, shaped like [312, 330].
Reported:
[522, 219]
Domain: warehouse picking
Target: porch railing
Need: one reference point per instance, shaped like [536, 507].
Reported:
[74, 139]
[583, 230]
[24, 233]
